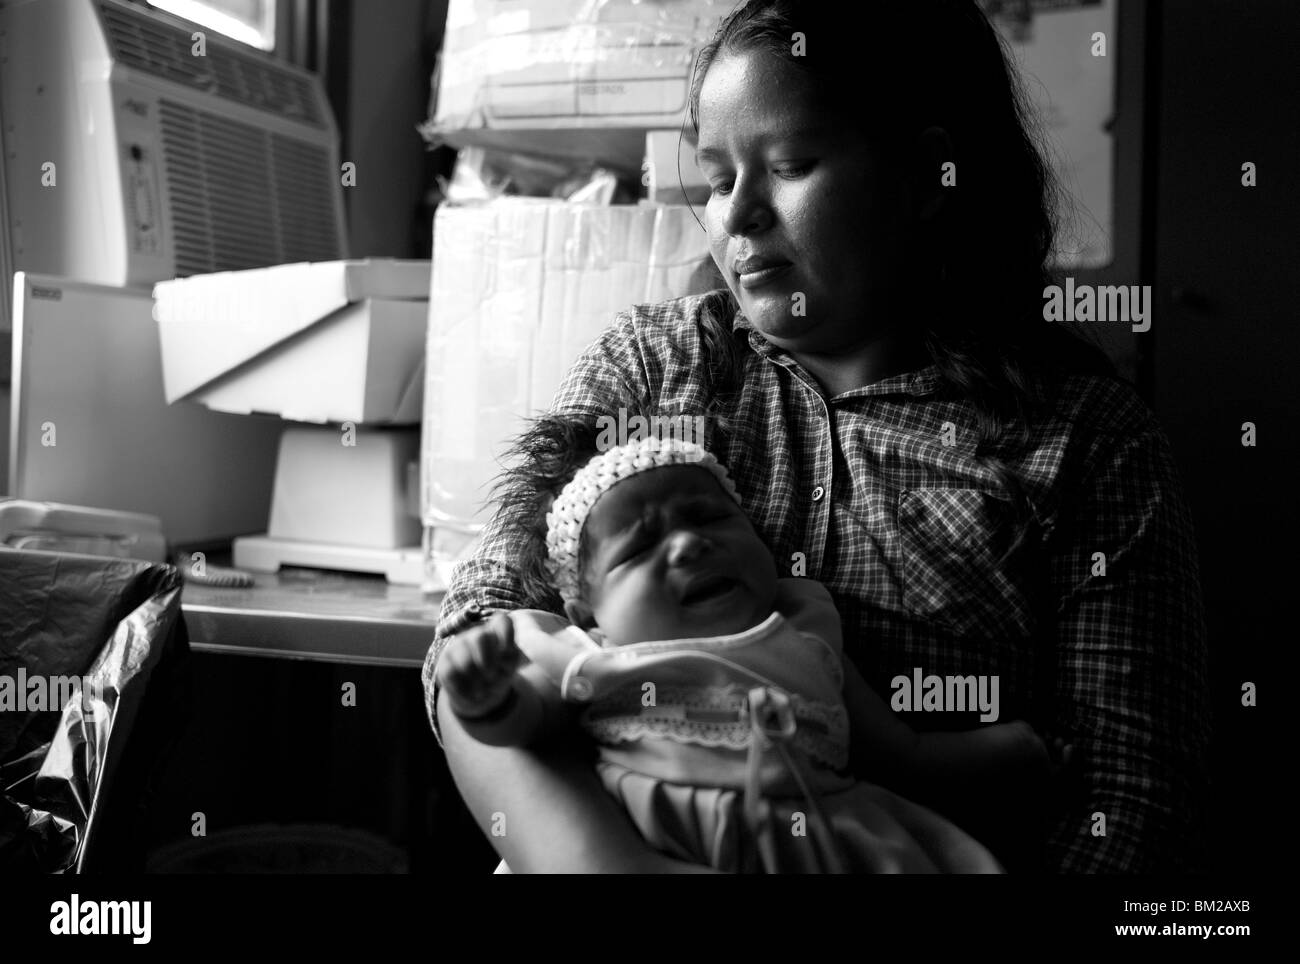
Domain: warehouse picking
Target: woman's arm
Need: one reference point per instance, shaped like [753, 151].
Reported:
[544, 809]
[1131, 667]
[935, 767]
[882, 748]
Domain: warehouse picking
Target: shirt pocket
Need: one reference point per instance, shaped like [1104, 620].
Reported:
[954, 574]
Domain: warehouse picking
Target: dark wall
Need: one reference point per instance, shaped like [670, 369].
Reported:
[1224, 351]
[375, 60]
[388, 93]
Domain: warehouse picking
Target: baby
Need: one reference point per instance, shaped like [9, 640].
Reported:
[715, 690]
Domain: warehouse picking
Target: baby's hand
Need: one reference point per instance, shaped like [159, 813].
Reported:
[1018, 747]
[1064, 770]
[1062, 758]
[477, 668]
[1013, 748]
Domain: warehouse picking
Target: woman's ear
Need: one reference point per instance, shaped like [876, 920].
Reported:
[934, 173]
[579, 613]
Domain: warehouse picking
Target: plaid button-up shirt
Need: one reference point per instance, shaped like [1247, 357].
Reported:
[1094, 627]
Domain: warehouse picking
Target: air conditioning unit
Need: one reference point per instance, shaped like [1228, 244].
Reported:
[133, 154]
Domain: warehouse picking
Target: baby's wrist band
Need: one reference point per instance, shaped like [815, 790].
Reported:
[515, 722]
[496, 713]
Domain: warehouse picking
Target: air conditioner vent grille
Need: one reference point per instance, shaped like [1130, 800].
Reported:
[162, 50]
[302, 177]
[152, 47]
[242, 197]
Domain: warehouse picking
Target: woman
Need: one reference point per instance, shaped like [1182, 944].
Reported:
[979, 493]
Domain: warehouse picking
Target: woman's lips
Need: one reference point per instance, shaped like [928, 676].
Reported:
[756, 276]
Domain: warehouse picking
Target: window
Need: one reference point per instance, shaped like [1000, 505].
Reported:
[1066, 51]
[249, 21]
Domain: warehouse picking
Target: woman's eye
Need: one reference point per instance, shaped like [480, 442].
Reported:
[793, 171]
[721, 188]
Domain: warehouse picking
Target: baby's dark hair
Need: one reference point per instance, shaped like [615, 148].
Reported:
[542, 460]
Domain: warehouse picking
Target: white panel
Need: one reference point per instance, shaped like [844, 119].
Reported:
[90, 381]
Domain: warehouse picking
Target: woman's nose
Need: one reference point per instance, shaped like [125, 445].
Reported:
[748, 210]
[686, 546]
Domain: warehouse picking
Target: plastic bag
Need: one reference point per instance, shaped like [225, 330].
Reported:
[82, 635]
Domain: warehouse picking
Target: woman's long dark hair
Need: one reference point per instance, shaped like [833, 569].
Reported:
[911, 65]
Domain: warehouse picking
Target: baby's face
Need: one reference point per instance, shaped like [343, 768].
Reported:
[671, 556]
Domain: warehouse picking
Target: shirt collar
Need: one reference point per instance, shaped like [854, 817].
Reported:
[923, 381]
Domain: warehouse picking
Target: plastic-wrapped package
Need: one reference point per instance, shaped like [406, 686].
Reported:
[485, 175]
[80, 638]
[563, 64]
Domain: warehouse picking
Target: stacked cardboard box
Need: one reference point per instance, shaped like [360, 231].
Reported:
[311, 342]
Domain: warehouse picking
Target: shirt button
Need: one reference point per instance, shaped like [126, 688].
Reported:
[817, 494]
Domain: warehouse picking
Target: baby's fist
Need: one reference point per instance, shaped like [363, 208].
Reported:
[476, 669]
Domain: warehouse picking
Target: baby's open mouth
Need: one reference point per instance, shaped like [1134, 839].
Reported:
[706, 589]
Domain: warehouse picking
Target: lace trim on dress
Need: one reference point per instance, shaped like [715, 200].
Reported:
[713, 716]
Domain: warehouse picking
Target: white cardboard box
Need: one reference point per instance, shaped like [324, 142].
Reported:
[344, 495]
[334, 341]
[520, 288]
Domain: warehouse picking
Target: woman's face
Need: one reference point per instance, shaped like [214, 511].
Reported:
[805, 222]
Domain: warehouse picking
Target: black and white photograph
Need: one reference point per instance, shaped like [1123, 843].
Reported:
[443, 440]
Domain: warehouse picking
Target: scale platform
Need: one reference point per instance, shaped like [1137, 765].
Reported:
[345, 498]
[401, 567]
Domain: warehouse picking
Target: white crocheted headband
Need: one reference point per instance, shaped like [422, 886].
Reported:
[567, 516]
